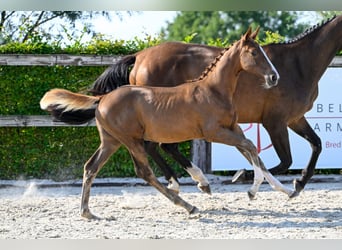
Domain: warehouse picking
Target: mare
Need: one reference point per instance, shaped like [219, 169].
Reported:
[200, 109]
[300, 62]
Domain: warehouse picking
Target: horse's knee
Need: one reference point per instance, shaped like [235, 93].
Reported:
[283, 166]
[249, 146]
[144, 172]
[317, 146]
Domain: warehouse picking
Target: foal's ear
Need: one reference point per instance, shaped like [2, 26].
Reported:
[255, 33]
[247, 34]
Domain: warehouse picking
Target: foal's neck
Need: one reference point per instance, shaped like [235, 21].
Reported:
[223, 76]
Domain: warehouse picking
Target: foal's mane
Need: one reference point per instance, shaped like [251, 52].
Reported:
[207, 70]
[309, 31]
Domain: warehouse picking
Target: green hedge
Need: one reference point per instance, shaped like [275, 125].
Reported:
[57, 153]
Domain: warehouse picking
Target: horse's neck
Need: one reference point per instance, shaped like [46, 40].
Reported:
[320, 47]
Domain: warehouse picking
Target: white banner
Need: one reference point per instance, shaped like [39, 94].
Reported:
[325, 118]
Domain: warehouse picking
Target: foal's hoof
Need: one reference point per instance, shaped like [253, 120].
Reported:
[239, 175]
[298, 185]
[194, 210]
[205, 189]
[293, 194]
[176, 191]
[251, 195]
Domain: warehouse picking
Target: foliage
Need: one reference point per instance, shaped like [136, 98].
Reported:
[328, 14]
[228, 26]
[271, 37]
[99, 45]
[23, 26]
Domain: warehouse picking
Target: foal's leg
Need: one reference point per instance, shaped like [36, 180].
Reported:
[170, 176]
[243, 172]
[144, 171]
[92, 167]
[258, 176]
[280, 140]
[194, 171]
[259, 170]
[229, 137]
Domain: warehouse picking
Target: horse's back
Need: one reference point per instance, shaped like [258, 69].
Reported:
[171, 63]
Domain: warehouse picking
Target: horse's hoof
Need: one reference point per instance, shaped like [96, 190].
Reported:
[251, 196]
[205, 189]
[293, 194]
[239, 175]
[194, 210]
[174, 191]
[298, 186]
[88, 215]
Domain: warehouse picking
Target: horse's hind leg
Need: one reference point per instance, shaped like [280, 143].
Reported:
[144, 171]
[194, 171]
[170, 176]
[92, 167]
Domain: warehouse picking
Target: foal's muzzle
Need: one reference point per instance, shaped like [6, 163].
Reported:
[271, 80]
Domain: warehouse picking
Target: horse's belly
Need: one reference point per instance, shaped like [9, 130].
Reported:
[170, 133]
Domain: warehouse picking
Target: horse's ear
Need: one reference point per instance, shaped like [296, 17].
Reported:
[255, 33]
[247, 34]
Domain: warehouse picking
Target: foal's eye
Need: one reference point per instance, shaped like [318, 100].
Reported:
[254, 52]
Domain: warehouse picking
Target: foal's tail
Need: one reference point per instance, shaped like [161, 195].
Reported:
[69, 107]
[114, 76]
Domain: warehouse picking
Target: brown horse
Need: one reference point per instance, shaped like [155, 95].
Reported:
[201, 109]
[300, 62]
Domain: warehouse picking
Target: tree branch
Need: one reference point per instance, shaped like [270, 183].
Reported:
[41, 21]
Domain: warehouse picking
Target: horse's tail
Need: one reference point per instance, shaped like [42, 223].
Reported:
[114, 76]
[69, 107]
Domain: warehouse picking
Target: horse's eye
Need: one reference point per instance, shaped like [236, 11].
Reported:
[254, 52]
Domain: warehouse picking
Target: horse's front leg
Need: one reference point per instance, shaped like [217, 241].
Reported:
[303, 128]
[230, 137]
[194, 171]
[260, 169]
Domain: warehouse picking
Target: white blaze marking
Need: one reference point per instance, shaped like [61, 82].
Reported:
[269, 62]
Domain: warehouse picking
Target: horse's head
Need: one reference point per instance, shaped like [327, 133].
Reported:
[254, 59]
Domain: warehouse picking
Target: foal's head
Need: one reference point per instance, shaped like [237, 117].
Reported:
[254, 59]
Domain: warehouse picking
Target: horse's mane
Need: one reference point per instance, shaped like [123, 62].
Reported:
[309, 31]
[295, 39]
[211, 66]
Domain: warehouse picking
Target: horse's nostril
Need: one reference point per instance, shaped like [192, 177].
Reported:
[274, 78]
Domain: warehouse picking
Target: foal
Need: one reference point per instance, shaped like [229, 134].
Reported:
[200, 109]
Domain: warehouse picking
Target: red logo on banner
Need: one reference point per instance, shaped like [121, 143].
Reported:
[259, 148]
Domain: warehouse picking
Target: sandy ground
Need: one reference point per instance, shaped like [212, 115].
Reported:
[41, 209]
